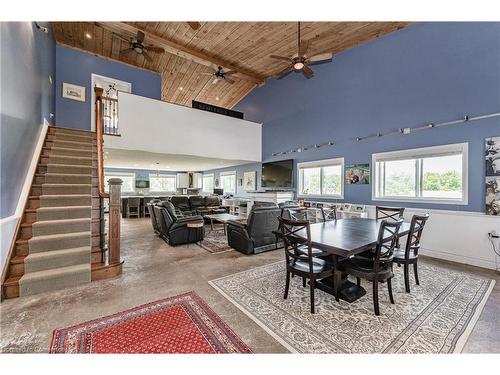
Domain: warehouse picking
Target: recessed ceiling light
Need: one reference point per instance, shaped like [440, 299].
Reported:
[181, 88]
[88, 36]
[216, 98]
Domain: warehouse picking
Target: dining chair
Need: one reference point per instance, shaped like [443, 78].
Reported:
[391, 213]
[133, 207]
[329, 213]
[409, 255]
[301, 263]
[380, 267]
[145, 207]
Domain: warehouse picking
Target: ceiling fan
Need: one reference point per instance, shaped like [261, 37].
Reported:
[220, 75]
[136, 44]
[300, 62]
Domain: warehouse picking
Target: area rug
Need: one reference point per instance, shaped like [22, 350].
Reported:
[179, 324]
[436, 317]
[215, 240]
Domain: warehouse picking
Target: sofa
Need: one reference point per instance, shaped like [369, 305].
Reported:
[197, 205]
[256, 235]
[173, 228]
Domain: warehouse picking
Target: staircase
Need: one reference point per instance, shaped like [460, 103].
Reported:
[59, 236]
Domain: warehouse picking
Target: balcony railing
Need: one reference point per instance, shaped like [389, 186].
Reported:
[110, 116]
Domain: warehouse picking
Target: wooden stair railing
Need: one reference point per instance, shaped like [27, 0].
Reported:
[111, 265]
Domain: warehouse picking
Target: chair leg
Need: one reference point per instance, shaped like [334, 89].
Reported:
[287, 285]
[407, 278]
[358, 281]
[304, 282]
[311, 288]
[389, 286]
[415, 271]
[375, 297]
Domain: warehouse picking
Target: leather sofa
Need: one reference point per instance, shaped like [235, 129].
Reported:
[256, 235]
[173, 228]
[197, 205]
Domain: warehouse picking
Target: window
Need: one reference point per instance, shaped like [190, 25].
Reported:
[228, 182]
[162, 183]
[128, 185]
[321, 178]
[208, 183]
[431, 174]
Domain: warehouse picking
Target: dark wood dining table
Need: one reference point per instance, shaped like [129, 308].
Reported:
[343, 238]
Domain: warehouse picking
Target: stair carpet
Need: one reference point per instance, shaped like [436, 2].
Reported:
[59, 250]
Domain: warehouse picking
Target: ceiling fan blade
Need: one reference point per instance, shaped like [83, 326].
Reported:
[230, 73]
[319, 62]
[308, 72]
[321, 57]
[280, 57]
[155, 49]
[194, 25]
[140, 36]
[228, 80]
[304, 46]
[147, 56]
[284, 72]
[206, 74]
[126, 51]
[214, 82]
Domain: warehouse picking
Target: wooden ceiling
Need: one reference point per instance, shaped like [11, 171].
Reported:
[241, 46]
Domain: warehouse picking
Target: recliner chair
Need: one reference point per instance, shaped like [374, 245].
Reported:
[181, 204]
[174, 229]
[256, 236]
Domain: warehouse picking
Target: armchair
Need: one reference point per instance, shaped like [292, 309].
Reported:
[174, 229]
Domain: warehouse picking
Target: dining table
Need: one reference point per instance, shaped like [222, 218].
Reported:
[344, 238]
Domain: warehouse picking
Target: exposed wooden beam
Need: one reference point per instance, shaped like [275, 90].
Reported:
[185, 52]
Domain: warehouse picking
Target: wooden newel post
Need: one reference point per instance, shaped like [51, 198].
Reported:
[115, 187]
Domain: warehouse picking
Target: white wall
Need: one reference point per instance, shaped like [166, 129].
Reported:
[456, 236]
[156, 126]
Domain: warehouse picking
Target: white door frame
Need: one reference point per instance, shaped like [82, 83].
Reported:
[94, 77]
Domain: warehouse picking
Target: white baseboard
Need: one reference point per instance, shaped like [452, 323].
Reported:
[483, 263]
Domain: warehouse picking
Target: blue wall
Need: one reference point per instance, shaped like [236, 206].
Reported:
[77, 67]
[27, 100]
[428, 72]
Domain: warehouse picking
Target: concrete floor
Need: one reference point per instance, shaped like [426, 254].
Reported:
[153, 270]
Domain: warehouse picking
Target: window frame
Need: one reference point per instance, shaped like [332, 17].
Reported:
[208, 175]
[419, 153]
[320, 164]
[228, 173]
[118, 175]
[162, 175]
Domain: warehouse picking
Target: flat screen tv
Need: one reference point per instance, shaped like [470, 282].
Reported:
[277, 174]
[142, 184]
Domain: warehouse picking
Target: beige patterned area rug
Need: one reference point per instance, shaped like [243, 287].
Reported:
[436, 317]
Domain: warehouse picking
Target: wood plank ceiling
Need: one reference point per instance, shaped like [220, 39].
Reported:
[244, 45]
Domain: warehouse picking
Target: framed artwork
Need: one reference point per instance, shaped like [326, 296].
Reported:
[493, 196]
[357, 174]
[492, 156]
[73, 92]
[250, 181]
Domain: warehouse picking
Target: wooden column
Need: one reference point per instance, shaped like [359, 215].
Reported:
[115, 187]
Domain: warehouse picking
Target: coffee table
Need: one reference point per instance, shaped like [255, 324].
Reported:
[222, 218]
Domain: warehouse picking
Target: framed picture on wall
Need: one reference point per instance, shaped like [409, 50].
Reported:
[357, 174]
[250, 181]
[73, 92]
[493, 196]
[492, 156]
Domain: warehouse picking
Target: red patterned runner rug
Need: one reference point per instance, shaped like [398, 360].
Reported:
[179, 324]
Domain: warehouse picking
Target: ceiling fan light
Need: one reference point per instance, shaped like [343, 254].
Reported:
[298, 65]
[138, 49]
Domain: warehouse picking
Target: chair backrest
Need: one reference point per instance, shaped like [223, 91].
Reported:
[263, 204]
[153, 216]
[416, 229]
[289, 233]
[181, 202]
[392, 213]
[134, 202]
[329, 213]
[294, 212]
[212, 201]
[160, 220]
[386, 242]
[261, 223]
[196, 201]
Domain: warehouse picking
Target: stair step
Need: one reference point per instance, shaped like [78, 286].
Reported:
[69, 144]
[54, 279]
[72, 137]
[68, 160]
[57, 258]
[59, 241]
[65, 130]
[67, 168]
[66, 189]
[65, 178]
[48, 227]
[63, 212]
[65, 151]
[62, 200]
